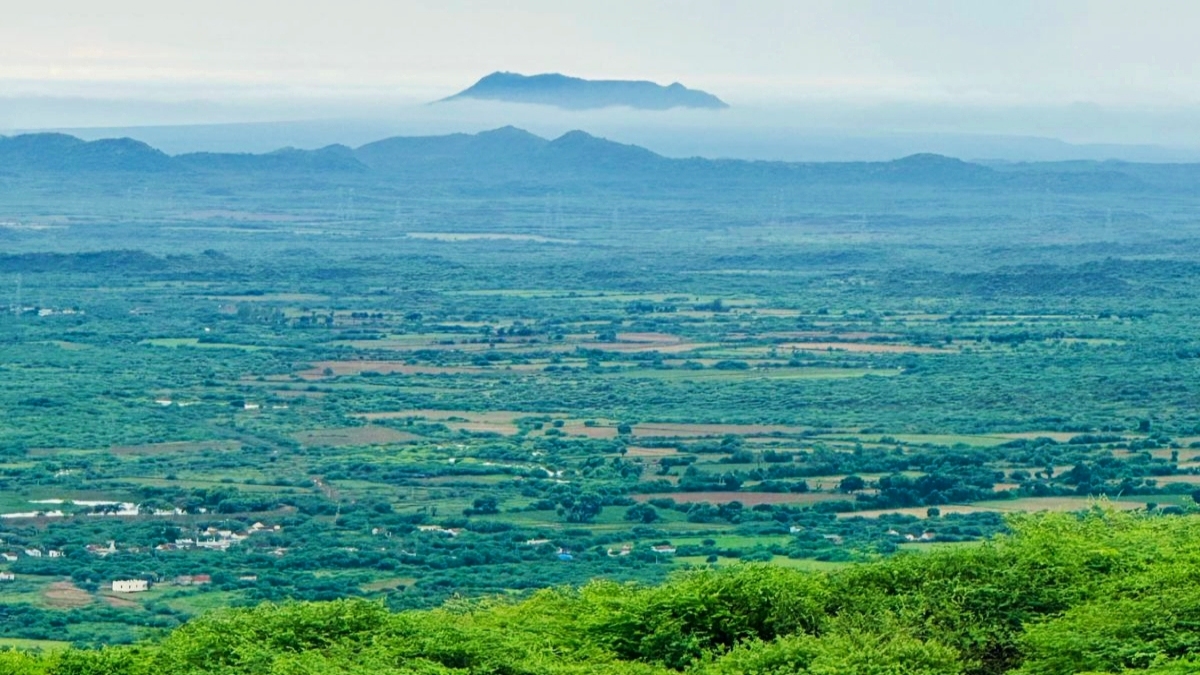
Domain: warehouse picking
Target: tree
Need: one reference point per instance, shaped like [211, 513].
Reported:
[643, 513]
[585, 509]
[852, 484]
[483, 506]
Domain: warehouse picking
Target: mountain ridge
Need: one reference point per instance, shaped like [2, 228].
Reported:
[510, 154]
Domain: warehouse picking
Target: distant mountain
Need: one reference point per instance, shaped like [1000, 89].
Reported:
[573, 93]
[63, 152]
[507, 146]
[330, 158]
[508, 153]
[578, 147]
[67, 154]
[748, 134]
[508, 156]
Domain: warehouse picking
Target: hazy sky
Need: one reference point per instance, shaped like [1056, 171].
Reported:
[1003, 52]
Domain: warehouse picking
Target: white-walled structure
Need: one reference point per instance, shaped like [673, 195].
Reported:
[130, 586]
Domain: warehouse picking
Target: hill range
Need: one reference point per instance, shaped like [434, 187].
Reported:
[508, 154]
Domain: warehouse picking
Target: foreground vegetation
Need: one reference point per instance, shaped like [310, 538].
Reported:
[1101, 592]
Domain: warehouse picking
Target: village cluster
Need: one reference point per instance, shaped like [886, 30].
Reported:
[211, 539]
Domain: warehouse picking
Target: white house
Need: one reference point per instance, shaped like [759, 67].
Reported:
[130, 585]
[7, 576]
[33, 553]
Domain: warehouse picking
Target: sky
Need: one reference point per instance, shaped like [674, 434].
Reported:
[972, 54]
[1017, 51]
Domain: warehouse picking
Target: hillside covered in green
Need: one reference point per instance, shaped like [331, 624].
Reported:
[1103, 592]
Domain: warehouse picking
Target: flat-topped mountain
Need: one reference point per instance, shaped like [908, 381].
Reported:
[573, 93]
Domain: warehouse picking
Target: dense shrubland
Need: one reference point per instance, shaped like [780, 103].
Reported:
[1103, 592]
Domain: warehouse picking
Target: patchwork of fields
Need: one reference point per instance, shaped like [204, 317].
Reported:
[346, 409]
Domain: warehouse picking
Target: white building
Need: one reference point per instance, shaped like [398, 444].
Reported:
[130, 585]
[7, 576]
